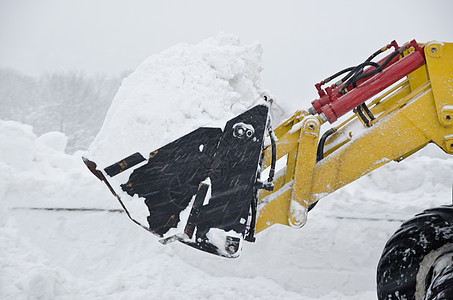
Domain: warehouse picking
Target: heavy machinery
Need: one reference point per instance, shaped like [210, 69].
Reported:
[215, 188]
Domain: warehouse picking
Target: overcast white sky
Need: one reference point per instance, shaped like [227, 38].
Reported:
[303, 41]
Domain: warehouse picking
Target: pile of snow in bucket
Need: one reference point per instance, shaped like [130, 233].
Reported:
[100, 254]
[177, 91]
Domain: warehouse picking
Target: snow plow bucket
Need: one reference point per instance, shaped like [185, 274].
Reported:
[200, 189]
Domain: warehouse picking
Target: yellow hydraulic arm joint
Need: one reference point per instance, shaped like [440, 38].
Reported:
[289, 205]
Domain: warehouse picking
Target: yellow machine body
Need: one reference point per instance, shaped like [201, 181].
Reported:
[410, 114]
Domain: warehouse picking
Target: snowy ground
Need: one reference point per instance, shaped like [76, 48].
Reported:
[95, 255]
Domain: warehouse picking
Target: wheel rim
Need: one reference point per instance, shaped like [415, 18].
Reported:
[431, 265]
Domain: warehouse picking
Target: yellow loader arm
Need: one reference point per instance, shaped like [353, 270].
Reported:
[404, 118]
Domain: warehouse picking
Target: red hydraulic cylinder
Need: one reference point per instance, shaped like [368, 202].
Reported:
[373, 86]
[332, 91]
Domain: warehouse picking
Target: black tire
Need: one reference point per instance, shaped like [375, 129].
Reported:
[442, 286]
[404, 269]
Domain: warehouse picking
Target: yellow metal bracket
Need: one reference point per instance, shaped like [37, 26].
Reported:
[439, 60]
[303, 175]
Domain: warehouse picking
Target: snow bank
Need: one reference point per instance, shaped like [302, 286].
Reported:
[35, 171]
[16, 148]
[177, 91]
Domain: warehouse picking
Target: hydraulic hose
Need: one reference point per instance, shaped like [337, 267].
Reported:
[322, 140]
[274, 153]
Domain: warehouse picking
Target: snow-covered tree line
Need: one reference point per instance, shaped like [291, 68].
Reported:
[68, 102]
